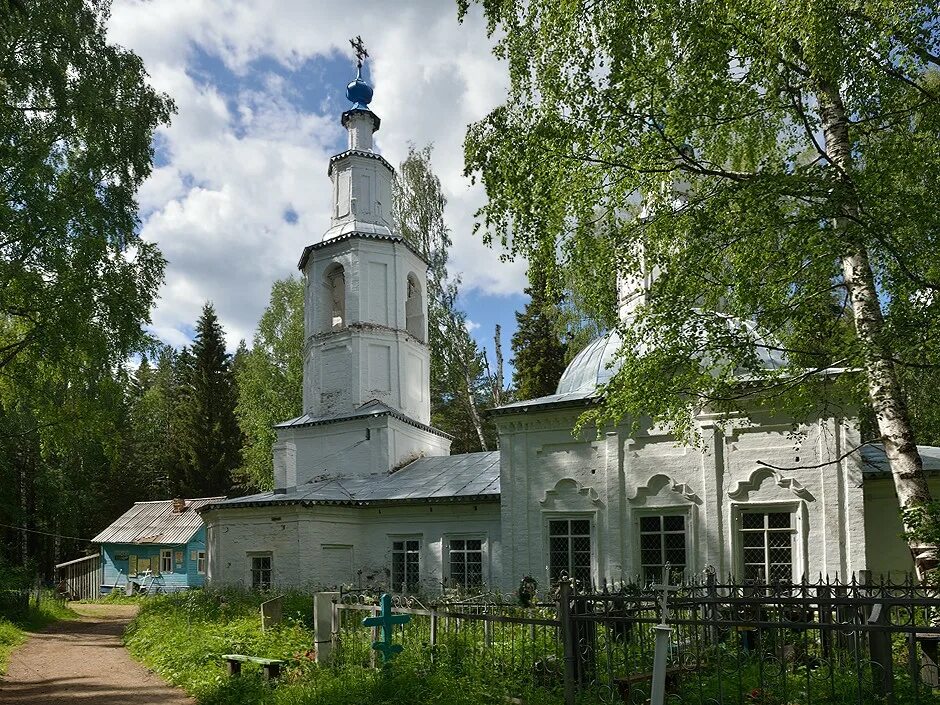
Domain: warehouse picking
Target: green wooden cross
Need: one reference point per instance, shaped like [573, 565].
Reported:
[386, 620]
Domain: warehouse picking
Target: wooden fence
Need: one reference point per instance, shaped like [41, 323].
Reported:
[81, 577]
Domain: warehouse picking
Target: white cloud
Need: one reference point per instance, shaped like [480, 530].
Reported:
[238, 157]
[471, 325]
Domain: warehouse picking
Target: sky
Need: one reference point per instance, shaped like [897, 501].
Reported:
[240, 186]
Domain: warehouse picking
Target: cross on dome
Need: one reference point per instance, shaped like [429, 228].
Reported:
[358, 91]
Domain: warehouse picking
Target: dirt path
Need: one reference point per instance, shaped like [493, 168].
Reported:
[84, 662]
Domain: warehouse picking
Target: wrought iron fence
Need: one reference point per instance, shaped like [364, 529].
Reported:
[778, 643]
[826, 641]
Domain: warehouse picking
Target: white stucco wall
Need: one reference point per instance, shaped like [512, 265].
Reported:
[373, 445]
[324, 547]
[371, 356]
[617, 478]
[888, 554]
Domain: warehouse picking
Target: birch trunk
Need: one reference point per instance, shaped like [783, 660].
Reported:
[884, 390]
[472, 408]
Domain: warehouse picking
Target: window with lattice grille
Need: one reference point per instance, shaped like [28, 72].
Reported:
[569, 550]
[662, 541]
[261, 571]
[767, 545]
[406, 555]
[466, 562]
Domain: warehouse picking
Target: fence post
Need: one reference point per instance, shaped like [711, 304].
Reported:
[879, 644]
[567, 639]
[711, 608]
[324, 624]
[433, 634]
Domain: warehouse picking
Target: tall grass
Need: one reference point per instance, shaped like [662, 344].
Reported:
[182, 637]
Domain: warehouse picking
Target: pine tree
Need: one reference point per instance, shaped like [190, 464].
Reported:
[538, 352]
[208, 430]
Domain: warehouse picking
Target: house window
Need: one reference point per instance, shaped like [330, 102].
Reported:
[767, 545]
[166, 560]
[261, 571]
[466, 562]
[662, 541]
[569, 550]
[405, 565]
[201, 562]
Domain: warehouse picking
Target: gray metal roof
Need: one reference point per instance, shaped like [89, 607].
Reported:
[875, 462]
[155, 522]
[446, 478]
[362, 234]
[370, 408]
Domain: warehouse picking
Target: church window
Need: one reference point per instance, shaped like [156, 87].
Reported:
[261, 571]
[662, 541]
[414, 309]
[569, 550]
[466, 562]
[405, 565]
[766, 540]
[336, 283]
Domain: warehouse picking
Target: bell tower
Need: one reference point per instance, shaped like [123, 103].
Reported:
[366, 287]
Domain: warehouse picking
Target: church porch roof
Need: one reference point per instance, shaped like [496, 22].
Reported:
[469, 477]
[875, 461]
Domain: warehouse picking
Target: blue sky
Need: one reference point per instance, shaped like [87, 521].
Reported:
[240, 182]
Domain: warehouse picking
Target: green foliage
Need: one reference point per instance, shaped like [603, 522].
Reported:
[270, 380]
[539, 354]
[613, 100]
[208, 433]
[181, 637]
[461, 379]
[77, 119]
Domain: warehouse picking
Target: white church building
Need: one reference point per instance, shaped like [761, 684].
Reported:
[366, 493]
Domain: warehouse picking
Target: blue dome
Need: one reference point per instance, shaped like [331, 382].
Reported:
[359, 93]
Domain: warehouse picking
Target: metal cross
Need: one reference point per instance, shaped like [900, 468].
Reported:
[360, 49]
[666, 588]
[386, 620]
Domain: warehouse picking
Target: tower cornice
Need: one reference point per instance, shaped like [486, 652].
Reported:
[357, 153]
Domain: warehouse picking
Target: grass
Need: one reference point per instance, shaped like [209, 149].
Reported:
[182, 636]
[14, 629]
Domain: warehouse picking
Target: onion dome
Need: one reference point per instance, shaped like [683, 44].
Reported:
[359, 93]
[597, 363]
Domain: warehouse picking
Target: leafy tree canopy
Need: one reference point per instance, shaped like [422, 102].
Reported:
[270, 380]
[77, 118]
[616, 99]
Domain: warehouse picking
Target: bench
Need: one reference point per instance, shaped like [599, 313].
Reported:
[271, 667]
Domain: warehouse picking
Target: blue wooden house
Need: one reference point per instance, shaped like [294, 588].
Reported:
[158, 545]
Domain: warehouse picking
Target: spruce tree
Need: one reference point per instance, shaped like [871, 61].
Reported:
[208, 430]
[538, 352]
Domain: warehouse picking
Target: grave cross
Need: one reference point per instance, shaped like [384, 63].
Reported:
[664, 600]
[386, 620]
[360, 49]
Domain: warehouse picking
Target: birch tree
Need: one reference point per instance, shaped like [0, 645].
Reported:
[461, 379]
[807, 136]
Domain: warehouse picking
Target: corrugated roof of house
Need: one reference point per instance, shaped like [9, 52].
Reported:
[445, 478]
[155, 522]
